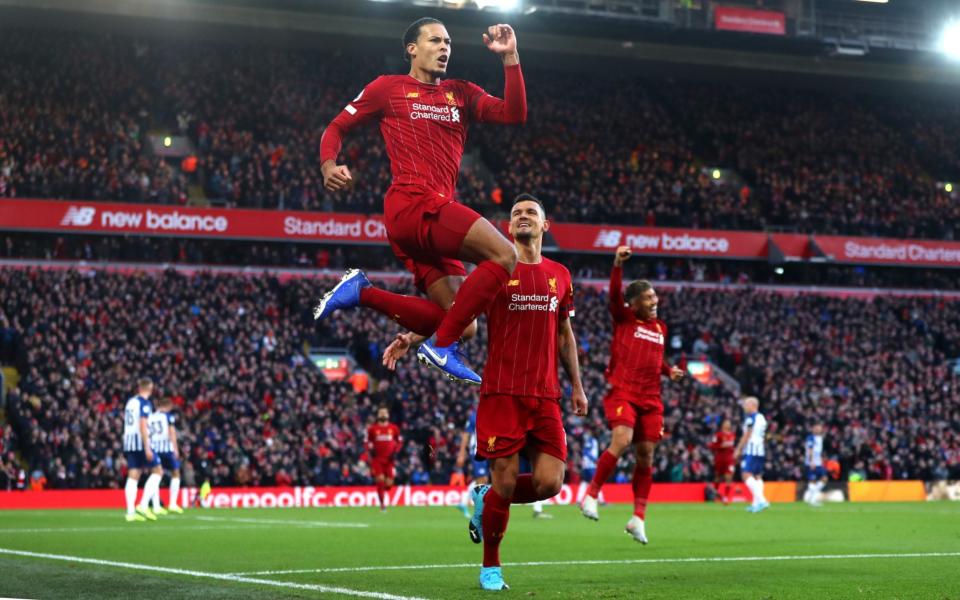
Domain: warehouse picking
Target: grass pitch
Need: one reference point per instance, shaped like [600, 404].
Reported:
[696, 551]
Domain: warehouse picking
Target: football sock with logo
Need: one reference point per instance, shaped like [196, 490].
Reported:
[642, 481]
[174, 491]
[130, 493]
[524, 492]
[151, 487]
[473, 298]
[496, 513]
[605, 467]
[419, 315]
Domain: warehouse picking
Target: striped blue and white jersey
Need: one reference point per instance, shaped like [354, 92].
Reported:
[591, 452]
[135, 408]
[159, 425]
[471, 428]
[754, 445]
[815, 450]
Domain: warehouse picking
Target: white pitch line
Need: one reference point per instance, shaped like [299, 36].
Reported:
[326, 589]
[636, 561]
[130, 528]
[293, 522]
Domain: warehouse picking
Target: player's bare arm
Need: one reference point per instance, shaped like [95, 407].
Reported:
[743, 442]
[147, 451]
[173, 442]
[567, 345]
[462, 453]
[502, 40]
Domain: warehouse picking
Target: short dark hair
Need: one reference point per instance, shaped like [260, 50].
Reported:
[636, 289]
[530, 198]
[413, 32]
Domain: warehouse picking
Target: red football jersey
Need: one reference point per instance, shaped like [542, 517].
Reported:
[425, 125]
[383, 440]
[523, 322]
[636, 353]
[723, 445]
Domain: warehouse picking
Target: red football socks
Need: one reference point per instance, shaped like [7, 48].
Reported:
[496, 513]
[380, 490]
[524, 493]
[642, 481]
[473, 298]
[411, 312]
[605, 467]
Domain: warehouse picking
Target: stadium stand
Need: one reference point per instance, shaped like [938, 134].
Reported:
[627, 151]
[228, 349]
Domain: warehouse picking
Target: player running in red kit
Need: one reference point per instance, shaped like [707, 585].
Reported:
[724, 464]
[424, 119]
[633, 406]
[383, 441]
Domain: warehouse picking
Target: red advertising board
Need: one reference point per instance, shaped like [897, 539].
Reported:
[732, 18]
[107, 217]
[889, 251]
[661, 240]
[319, 497]
[155, 220]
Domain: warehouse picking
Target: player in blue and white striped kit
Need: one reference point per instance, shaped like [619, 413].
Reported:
[163, 441]
[813, 459]
[752, 451]
[138, 455]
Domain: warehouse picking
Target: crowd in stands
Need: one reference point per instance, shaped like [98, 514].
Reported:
[229, 351]
[74, 118]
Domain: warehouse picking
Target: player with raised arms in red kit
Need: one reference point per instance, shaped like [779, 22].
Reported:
[633, 406]
[424, 119]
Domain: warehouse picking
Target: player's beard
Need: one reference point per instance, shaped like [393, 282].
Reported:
[523, 237]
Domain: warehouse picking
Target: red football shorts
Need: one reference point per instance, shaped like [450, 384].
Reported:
[426, 231]
[508, 424]
[644, 414]
[722, 468]
[382, 467]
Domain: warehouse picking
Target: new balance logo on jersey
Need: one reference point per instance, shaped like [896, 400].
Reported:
[608, 238]
[78, 216]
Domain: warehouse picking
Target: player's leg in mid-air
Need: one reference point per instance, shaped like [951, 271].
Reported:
[621, 416]
[430, 235]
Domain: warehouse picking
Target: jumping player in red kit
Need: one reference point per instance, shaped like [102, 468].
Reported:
[633, 406]
[724, 463]
[383, 441]
[424, 119]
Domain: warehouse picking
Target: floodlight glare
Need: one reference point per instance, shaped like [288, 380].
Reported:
[950, 40]
[504, 5]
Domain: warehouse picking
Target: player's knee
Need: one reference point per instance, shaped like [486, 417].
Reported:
[470, 331]
[548, 487]
[506, 256]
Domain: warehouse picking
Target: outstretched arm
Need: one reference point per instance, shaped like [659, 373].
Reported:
[512, 109]
[617, 304]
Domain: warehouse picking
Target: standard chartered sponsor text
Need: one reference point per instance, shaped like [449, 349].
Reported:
[902, 252]
[357, 229]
